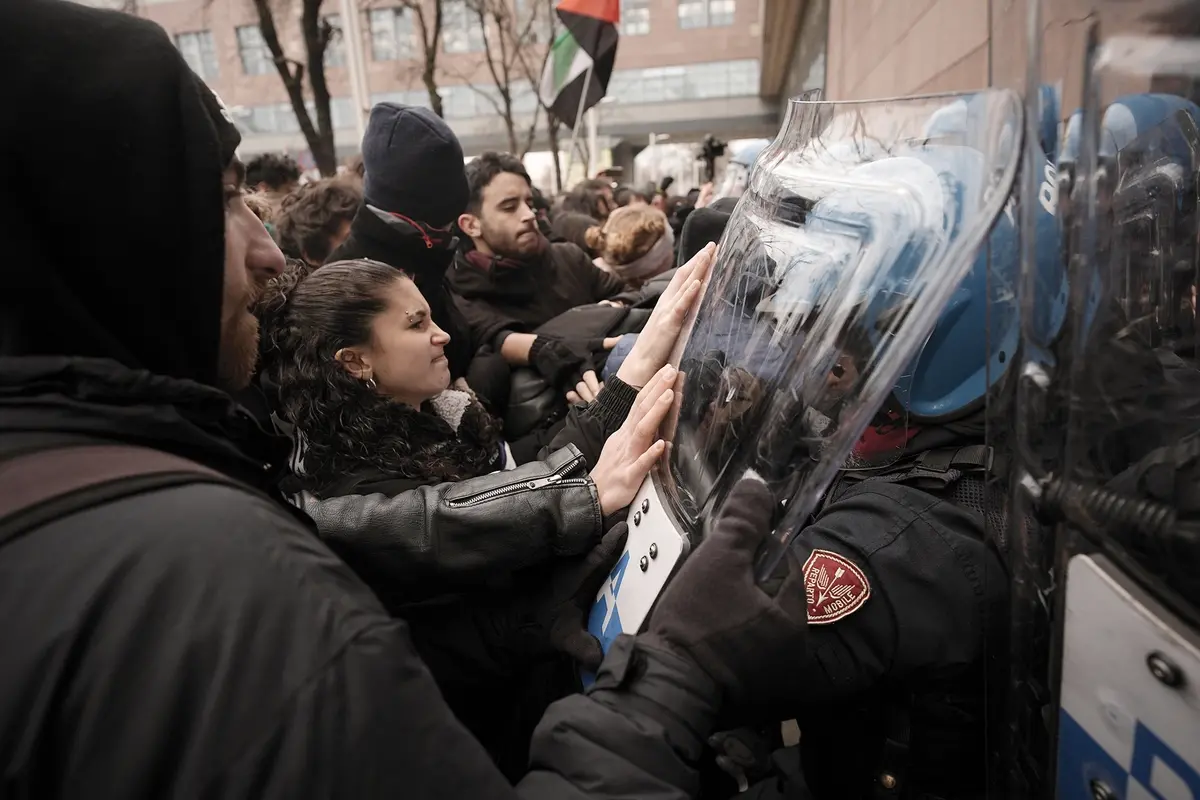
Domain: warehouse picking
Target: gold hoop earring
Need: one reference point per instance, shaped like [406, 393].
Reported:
[371, 384]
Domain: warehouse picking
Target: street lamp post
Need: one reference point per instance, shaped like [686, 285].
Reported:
[360, 94]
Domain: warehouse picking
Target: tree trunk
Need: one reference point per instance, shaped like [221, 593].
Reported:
[531, 133]
[316, 39]
[430, 81]
[510, 125]
[292, 75]
[430, 42]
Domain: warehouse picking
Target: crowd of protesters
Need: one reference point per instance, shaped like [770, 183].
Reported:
[492, 255]
[307, 487]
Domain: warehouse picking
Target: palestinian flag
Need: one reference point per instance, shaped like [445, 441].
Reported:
[589, 41]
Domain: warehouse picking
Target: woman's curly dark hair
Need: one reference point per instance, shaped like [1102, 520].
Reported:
[306, 318]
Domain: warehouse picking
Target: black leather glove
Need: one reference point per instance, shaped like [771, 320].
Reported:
[749, 639]
[572, 592]
[558, 360]
[744, 754]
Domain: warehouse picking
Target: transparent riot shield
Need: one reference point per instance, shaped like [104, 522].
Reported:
[860, 232]
[1105, 548]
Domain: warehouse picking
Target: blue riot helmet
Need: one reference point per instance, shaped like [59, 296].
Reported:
[952, 119]
[1148, 155]
[1106, 604]
[1147, 152]
[826, 336]
[737, 172]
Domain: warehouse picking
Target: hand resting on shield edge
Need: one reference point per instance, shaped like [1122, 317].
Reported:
[657, 339]
[627, 457]
[634, 448]
[629, 453]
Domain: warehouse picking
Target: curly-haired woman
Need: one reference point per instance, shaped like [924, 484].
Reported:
[361, 373]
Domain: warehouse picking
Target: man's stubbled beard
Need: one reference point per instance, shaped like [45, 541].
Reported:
[239, 354]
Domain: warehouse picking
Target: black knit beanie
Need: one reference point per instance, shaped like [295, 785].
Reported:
[414, 165]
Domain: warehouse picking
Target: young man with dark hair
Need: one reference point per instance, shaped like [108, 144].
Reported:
[511, 279]
[316, 218]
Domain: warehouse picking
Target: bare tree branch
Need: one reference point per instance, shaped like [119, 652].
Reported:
[552, 122]
[431, 35]
[508, 47]
[317, 33]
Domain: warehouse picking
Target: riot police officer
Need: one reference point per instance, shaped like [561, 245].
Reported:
[863, 313]
[1106, 600]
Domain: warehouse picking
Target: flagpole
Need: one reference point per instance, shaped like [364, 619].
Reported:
[593, 148]
[587, 83]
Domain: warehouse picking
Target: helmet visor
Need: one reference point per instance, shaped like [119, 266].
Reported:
[848, 244]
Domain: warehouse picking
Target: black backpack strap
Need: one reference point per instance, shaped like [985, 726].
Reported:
[41, 486]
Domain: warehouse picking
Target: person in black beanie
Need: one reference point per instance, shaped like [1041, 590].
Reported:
[413, 191]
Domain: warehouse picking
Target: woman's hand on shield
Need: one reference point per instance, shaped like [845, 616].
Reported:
[629, 453]
[656, 341]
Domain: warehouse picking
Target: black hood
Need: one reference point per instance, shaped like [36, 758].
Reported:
[101, 399]
[113, 218]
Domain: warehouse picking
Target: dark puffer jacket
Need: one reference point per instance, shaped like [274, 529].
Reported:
[518, 296]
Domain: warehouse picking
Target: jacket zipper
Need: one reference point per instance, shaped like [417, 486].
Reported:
[420, 230]
[555, 478]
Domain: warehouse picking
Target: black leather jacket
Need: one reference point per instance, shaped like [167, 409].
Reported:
[504, 521]
[456, 531]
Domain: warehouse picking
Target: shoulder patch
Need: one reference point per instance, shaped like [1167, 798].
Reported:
[835, 587]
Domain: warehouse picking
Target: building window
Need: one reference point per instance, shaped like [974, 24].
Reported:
[335, 51]
[279, 118]
[536, 18]
[341, 109]
[635, 17]
[524, 98]
[705, 81]
[462, 31]
[706, 13]
[256, 58]
[285, 118]
[199, 52]
[416, 97]
[458, 102]
[391, 34]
